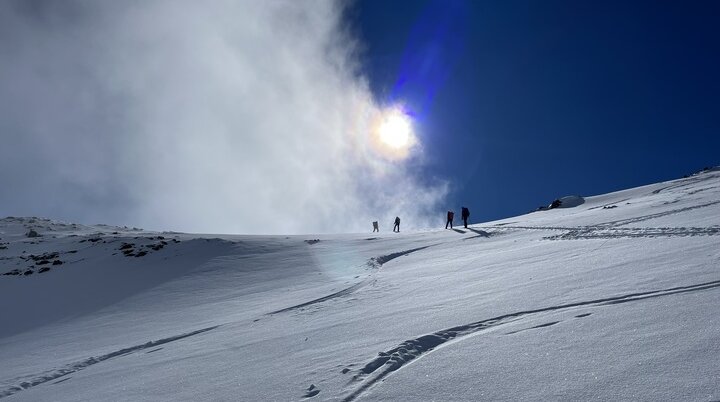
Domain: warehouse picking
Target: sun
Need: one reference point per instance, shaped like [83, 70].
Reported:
[392, 133]
[395, 129]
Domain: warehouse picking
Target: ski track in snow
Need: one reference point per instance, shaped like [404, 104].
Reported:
[340, 293]
[547, 324]
[374, 262]
[685, 182]
[627, 221]
[80, 365]
[616, 233]
[377, 262]
[610, 230]
[392, 360]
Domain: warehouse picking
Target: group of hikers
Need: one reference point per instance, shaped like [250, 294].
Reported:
[465, 213]
[396, 228]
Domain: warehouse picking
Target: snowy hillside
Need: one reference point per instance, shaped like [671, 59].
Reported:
[615, 298]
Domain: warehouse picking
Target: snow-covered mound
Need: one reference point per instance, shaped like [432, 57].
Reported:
[614, 298]
[570, 201]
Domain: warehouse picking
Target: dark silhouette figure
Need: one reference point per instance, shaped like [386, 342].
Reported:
[450, 217]
[397, 224]
[465, 215]
[375, 227]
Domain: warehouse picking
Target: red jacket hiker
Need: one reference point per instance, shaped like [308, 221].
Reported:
[450, 217]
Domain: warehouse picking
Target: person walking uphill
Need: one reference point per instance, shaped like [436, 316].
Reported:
[450, 217]
[397, 224]
[375, 227]
[465, 215]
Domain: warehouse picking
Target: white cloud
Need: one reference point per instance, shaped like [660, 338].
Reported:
[222, 116]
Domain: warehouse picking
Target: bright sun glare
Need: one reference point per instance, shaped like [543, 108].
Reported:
[395, 129]
[391, 133]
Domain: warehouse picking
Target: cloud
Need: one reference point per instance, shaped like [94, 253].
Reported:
[224, 116]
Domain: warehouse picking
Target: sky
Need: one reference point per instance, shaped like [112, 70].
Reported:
[534, 100]
[268, 117]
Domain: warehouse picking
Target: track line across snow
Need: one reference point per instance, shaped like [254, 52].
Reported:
[80, 365]
[613, 233]
[685, 183]
[392, 360]
[374, 262]
[622, 222]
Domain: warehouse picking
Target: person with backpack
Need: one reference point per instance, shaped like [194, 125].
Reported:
[375, 227]
[450, 217]
[397, 224]
[465, 215]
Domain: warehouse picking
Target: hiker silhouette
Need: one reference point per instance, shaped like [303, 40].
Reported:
[397, 224]
[465, 215]
[450, 217]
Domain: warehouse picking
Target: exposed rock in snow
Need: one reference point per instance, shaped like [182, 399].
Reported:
[32, 233]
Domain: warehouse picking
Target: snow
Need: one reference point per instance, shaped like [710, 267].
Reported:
[614, 298]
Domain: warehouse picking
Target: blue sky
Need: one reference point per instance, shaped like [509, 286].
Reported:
[521, 102]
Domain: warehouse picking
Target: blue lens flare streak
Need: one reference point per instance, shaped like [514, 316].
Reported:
[435, 44]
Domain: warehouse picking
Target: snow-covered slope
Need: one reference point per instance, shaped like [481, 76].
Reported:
[615, 298]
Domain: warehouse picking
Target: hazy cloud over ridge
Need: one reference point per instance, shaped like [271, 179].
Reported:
[221, 116]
